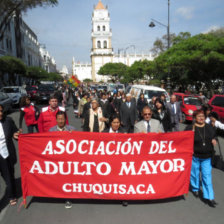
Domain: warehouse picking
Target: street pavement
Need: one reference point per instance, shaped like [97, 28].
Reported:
[184, 210]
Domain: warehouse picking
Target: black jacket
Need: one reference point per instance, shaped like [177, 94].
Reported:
[141, 104]
[9, 129]
[166, 120]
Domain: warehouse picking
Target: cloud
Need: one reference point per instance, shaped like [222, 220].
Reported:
[186, 12]
[211, 28]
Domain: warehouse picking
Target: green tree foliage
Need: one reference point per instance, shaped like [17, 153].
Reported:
[9, 7]
[199, 59]
[40, 74]
[114, 70]
[87, 80]
[12, 66]
[37, 73]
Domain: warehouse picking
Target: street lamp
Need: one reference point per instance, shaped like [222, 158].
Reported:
[151, 25]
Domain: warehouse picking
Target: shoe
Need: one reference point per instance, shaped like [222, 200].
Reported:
[13, 202]
[212, 203]
[195, 193]
[68, 204]
[125, 203]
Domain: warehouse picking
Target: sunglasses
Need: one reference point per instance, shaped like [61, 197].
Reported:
[147, 114]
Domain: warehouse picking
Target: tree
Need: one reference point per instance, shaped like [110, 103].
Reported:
[160, 45]
[87, 80]
[12, 66]
[8, 8]
[36, 73]
[114, 70]
[197, 60]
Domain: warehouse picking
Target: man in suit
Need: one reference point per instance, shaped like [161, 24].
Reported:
[148, 124]
[128, 114]
[175, 113]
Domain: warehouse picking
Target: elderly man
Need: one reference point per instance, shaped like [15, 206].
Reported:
[148, 124]
[129, 114]
[175, 113]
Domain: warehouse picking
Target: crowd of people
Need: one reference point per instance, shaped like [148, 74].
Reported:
[113, 113]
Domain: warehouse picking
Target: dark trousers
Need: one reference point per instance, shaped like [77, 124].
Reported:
[31, 127]
[7, 172]
[129, 127]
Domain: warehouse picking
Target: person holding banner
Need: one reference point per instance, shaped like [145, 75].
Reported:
[47, 117]
[8, 130]
[114, 125]
[61, 126]
[61, 123]
[204, 142]
[148, 124]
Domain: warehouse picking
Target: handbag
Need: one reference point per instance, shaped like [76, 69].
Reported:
[217, 160]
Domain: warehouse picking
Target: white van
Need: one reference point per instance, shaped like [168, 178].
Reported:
[148, 91]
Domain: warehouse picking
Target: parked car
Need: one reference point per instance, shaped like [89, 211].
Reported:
[44, 92]
[32, 92]
[188, 104]
[15, 93]
[6, 101]
[217, 104]
[127, 89]
[148, 91]
[102, 88]
[120, 87]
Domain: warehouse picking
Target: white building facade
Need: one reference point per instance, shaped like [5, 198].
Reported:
[102, 51]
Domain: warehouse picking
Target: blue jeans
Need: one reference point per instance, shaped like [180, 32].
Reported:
[205, 167]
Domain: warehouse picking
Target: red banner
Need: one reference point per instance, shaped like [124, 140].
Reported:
[106, 166]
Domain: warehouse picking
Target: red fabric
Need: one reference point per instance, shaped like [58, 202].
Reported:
[29, 115]
[167, 176]
[47, 120]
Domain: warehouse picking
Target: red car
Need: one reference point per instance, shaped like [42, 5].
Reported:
[188, 104]
[217, 103]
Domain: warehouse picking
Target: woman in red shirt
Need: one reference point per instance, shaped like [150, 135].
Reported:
[30, 114]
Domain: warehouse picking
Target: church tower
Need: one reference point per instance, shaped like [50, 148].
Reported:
[102, 51]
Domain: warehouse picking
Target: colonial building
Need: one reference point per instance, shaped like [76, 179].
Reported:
[102, 51]
[20, 41]
[47, 62]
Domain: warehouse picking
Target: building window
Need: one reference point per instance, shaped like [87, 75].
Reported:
[98, 28]
[98, 44]
[105, 44]
[104, 28]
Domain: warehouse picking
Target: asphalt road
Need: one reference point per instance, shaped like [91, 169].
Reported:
[186, 210]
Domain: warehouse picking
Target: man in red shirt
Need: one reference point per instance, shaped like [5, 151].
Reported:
[47, 117]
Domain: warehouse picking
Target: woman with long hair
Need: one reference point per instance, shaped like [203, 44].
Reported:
[161, 114]
[114, 125]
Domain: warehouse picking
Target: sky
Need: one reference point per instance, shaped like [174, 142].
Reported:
[65, 30]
